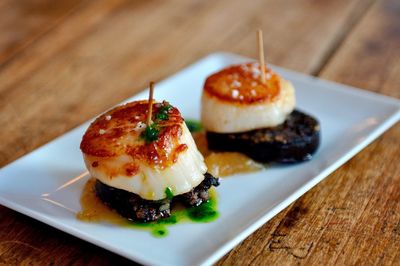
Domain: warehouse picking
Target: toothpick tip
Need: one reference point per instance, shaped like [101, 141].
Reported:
[150, 103]
[261, 54]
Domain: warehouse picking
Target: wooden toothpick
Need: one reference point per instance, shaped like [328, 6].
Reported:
[261, 54]
[150, 108]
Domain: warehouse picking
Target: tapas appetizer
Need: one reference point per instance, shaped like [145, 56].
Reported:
[144, 158]
[250, 109]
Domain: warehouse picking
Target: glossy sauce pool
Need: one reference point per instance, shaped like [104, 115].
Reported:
[222, 164]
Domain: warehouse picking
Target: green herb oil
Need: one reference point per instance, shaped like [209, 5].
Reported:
[205, 213]
[150, 134]
[193, 125]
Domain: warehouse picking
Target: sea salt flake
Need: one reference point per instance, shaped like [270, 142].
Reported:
[236, 84]
[139, 126]
[255, 71]
[235, 93]
[244, 68]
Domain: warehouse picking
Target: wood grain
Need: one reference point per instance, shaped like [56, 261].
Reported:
[370, 57]
[99, 57]
[90, 56]
[48, 246]
[23, 22]
[353, 217]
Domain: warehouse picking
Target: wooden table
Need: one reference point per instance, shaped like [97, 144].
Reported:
[62, 62]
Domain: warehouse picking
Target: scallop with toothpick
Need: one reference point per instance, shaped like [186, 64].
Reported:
[250, 109]
[144, 158]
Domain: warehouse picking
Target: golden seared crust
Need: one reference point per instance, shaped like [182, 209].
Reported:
[241, 84]
[118, 132]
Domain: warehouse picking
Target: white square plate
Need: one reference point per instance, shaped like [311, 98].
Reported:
[46, 184]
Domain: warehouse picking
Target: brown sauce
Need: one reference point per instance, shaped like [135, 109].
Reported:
[222, 164]
[94, 210]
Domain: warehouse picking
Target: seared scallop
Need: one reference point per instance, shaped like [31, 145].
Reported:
[235, 100]
[242, 114]
[121, 152]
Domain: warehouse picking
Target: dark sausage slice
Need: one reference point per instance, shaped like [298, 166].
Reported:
[134, 208]
[296, 140]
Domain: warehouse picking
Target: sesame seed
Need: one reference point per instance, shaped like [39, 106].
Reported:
[108, 117]
[102, 131]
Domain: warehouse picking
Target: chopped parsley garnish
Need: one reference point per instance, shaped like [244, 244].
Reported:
[150, 134]
[162, 113]
[168, 193]
[162, 116]
[193, 126]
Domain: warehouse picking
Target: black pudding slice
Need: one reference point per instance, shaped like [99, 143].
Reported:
[134, 208]
[199, 194]
[293, 141]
